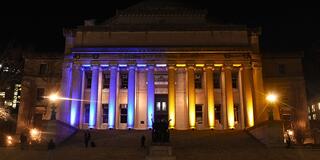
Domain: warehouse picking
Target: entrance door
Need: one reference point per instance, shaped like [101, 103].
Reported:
[161, 107]
[199, 116]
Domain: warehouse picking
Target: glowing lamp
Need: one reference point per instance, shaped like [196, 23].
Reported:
[271, 98]
[180, 65]
[199, 65]
[218, 65]
[236, 65]
[53, 97]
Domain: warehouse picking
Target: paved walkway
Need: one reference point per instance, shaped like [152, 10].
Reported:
[187, 145]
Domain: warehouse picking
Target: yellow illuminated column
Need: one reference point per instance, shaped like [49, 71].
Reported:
[260, 111]
[191, 98]
[229, 96]
[172, 95]
[247, 93]
[210, 96]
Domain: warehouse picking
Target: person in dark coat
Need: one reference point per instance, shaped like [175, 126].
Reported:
[86, 139]
[143, 141]
[51, 145]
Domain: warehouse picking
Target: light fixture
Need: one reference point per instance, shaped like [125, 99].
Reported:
[218, 65]
[180, 65]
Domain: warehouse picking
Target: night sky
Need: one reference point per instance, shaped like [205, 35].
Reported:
[285, 26]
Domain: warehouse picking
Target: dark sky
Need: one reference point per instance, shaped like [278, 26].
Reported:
[285, 26]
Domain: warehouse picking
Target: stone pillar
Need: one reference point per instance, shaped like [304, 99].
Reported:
[94, 96]
[131, 96]
[172, 96]
[150, 95]
[210, 96]
[99, 105]
[247, 95]
[112, 96]
[229, 96]
[76, 95]
[191, 97]
[223, 99]
[66, 92]
[241, 98]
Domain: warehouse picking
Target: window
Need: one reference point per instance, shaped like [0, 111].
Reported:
[313, 108]
[314, 116]
[43, 69]
[236, 109]
[161, 106]
[199, 113]
[217, 112]
[282, 68]
[86, 113]
[234, 80]
[216, 79]
[106, 80]
[123, 113]
[198, 80]
[105, 113]
[40, 94]
[124, 80]
[88, 79]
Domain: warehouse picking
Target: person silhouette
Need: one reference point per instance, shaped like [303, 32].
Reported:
[143, 140]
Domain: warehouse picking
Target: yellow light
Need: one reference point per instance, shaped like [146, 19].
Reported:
[9, 138]
[171, 96]
[250, 113]
[236, 65]
[35, 134]
[290, 132]
[180, 65]
[218, 65]
[53, 97]
[199, 65]
[271, 98]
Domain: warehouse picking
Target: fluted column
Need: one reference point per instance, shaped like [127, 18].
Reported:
[131, 96]
[94, 96]
[66, 92]
[229, 96]
[172, 96]
[150, 97]
[247, 95]
[191, 98]
[76, 95]
[210, 96]
[112, 96]
[99, 105]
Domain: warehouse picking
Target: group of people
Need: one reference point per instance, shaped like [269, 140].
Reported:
[160, 131]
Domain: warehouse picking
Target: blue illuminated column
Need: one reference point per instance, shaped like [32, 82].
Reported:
[150, 101]
[131, 96]
[66, 92]
[76, 95]
[112, 96]
[94, 96]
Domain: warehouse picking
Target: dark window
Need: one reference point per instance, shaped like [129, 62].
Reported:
[88, 79]
[217, 112]
[43, 69]
[199, 113]
[105, 113]
[106, 80]
[236, 112]
[123, 113]
[40, 94]
[86, 113]
[234, 80]
[198, 80]
[124, 80]
[216, 79]
[282, 68]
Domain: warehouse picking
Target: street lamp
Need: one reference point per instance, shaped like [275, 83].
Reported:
[271, 98]
[53, 98]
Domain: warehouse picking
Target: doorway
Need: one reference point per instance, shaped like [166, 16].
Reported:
[161, 107]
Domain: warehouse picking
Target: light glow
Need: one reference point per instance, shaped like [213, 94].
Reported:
[131, 97]
[199, 65]
[210, 97]
[112, 97]
[141, 65]
[104, 65]
[150, 96]
[94, 96]
[236, 65]
[53, 97]
[191, 99]
[172, 101]
[271, 97]
[86, 65]
[218, 65]
[161, 65]
[35, 134]
[180, 65]
[123, 65]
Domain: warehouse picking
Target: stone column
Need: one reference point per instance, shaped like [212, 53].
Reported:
[223, 99]
[247, 95]
[172, 96]
[131, 96]
[191, 97]
[76, 95]
[66, 92]
[210, 96]
[150, 95]
[99, 105]
[112, 96]
[229, 96]
[94, 96]
[241, 98]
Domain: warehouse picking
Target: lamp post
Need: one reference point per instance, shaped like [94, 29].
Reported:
[271, 98]
[53, 98]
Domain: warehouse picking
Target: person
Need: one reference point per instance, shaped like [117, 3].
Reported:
[23, 141]
[93, 145]
[288, 141]
[86, 139]
[143, 140]
[51, 145]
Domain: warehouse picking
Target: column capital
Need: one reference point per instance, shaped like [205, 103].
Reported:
[246, 66]
[131, 67]
[227, 66]
[191, 66]
[171, 66]
[95, 66]
[209, 67]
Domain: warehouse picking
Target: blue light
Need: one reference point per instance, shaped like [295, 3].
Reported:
[104, 65]
[76, 94]
[161, 65]
[86, 65]
[112, 96]
[94, 96]
[141, 65]
[150, 97]
[131, 97]
[122, 65]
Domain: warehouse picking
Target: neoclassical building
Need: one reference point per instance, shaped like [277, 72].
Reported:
[158, 60]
